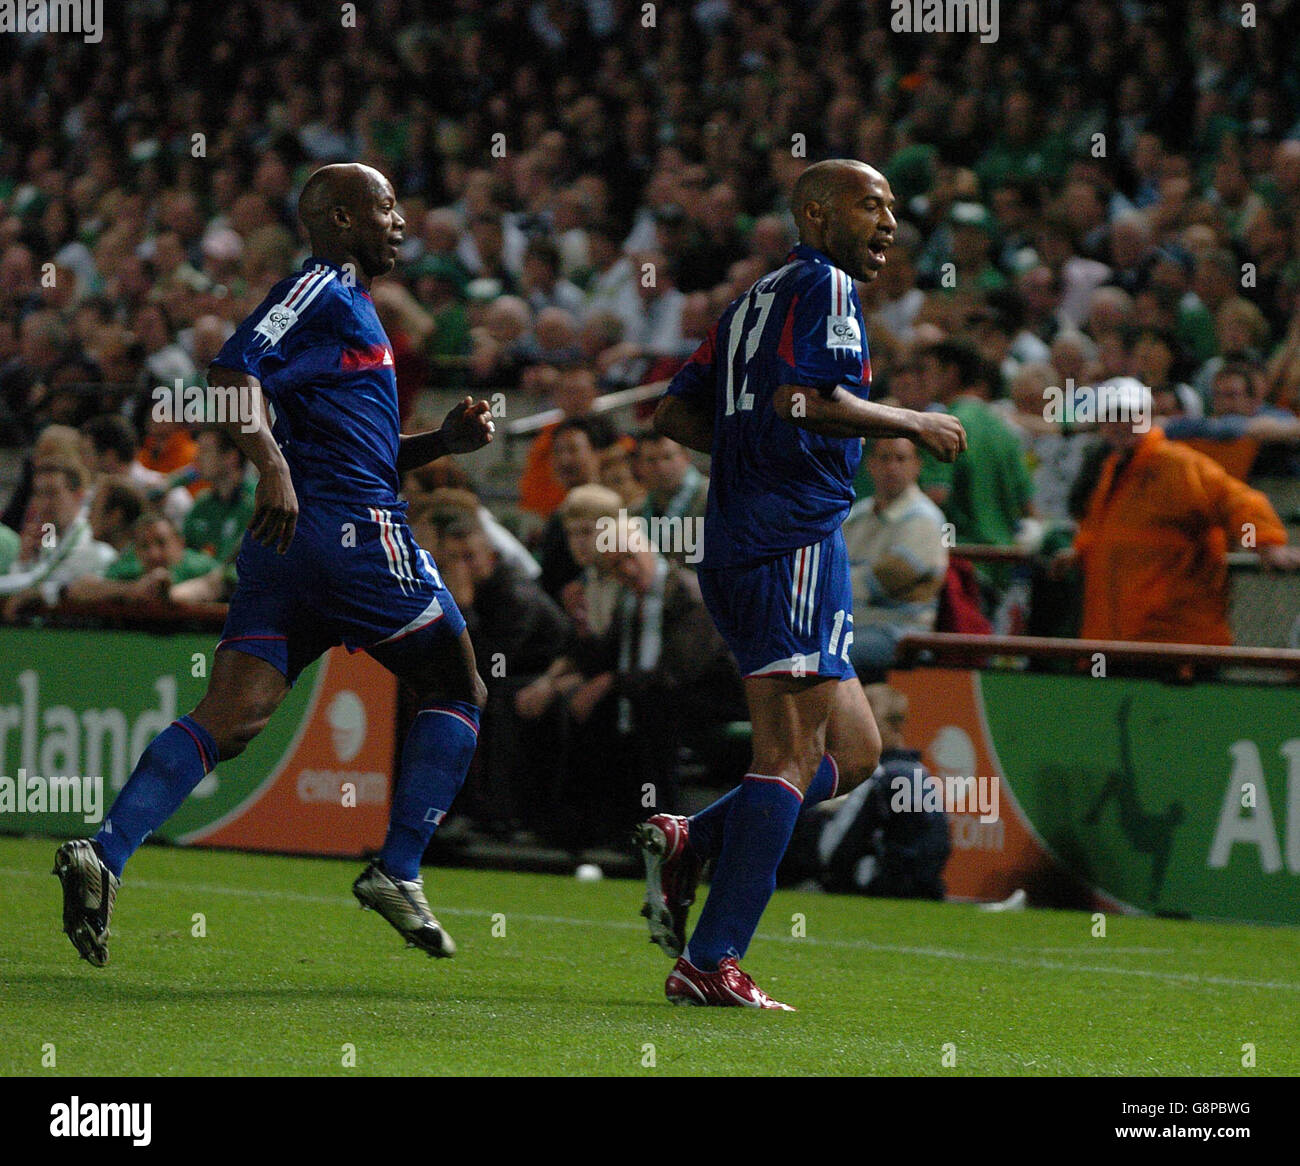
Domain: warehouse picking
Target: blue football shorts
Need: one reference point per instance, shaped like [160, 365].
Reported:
[353, 575]
[787, 616]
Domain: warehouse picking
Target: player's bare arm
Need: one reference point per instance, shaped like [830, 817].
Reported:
[842, 414]
[687, 423]
[467, 427]
[276, 512]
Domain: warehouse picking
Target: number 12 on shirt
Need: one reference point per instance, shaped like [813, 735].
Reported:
[763, 301]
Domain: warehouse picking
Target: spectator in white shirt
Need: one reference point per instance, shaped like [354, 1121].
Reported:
[897, 557]
[66, 549]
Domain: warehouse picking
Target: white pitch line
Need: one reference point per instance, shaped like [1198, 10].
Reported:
[939, 953]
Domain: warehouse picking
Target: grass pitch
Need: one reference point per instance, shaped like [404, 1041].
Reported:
[554, 976]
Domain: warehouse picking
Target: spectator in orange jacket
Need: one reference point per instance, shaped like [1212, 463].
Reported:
[1159, 523]
[574, 393]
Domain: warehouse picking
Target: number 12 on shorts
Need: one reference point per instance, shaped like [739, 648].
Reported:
[837, 628]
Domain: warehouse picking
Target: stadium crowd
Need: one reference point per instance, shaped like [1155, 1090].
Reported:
[1106, 194]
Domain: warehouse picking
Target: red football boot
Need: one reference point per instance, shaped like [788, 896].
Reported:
[672, 872]
[728, 987]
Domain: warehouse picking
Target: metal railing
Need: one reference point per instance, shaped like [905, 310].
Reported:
[950, 649]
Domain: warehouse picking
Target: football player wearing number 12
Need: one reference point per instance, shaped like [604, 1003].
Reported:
[777, 394]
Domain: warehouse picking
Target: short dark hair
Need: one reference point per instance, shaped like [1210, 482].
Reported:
[599, 431]
[957, 354]
[112, 431]
[124, 496]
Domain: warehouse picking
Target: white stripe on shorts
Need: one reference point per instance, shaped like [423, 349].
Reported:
[388, 541]
[812, 587]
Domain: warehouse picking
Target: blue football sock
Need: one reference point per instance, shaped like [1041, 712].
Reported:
[435, 760]
[754, 840]
[706, 827]
[173, 764]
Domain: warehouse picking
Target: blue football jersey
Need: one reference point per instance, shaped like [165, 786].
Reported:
[326, 365]
[774, 487]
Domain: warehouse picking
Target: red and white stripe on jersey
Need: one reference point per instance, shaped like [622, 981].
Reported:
[803, 588]
[841, 303]
[399, 560]
[309, 285]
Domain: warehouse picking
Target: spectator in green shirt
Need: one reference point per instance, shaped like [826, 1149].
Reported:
[115, 509]
[991, 489]
[907, 388]
[221, 513]
[159, 561]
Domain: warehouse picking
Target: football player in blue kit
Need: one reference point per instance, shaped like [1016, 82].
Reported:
[328, 559]
[777, 394]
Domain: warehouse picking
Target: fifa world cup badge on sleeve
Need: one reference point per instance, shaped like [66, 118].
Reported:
[842, 332]
[277, 322]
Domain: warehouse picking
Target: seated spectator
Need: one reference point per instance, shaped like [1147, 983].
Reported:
[446, 471]
[676, 497]
[554, 340]
[574, 451]
[1241, 332]
[600, 332]
[221, 513]
[1152, 545]
[112, 449]
[616, 473]
[168, 448]
[897, 559]
[658, 676]
[496, 355]
[64, 549]
[156, 560]
[440, 289]
[57, 445]
[611, 288]
[657, 334]
[114, 511]
[573, 392]
[588, 600]
[907, 386]
[511, 620]
[540, 282]
[864, 842]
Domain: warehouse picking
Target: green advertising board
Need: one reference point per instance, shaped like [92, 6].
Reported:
[1179, 799]
[85, 704]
